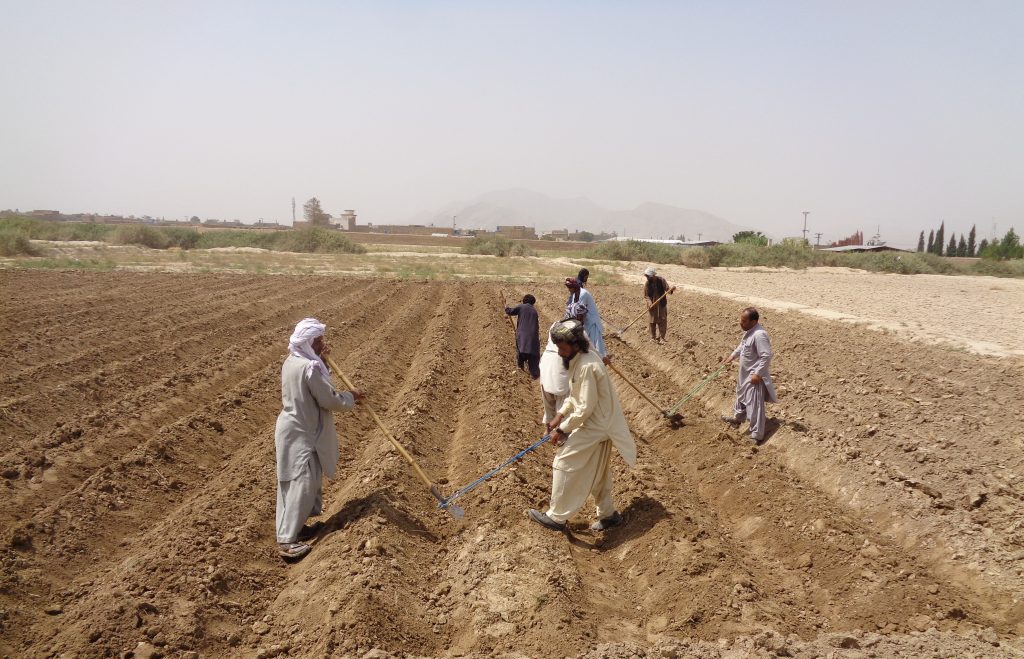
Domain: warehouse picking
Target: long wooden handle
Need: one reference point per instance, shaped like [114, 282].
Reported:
[646, 311]
[380, 424]
[627, 381]
[504, 305]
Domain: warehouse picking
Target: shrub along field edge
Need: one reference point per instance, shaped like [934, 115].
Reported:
[797, 256]
[15, 233]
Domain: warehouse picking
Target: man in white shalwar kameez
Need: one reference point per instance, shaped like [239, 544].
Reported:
[754, 385]
[589, 423]
[306, 442]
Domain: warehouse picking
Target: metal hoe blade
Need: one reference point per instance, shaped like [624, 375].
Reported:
[453, 509]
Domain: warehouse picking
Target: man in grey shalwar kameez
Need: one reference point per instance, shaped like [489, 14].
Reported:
[754, 385]
[306, 442]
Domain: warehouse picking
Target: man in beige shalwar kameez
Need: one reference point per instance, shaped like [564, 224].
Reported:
[589, 423]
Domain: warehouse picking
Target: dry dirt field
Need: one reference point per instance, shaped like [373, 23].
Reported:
[884, 516]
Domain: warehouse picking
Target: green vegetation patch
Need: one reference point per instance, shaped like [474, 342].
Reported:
[496, 246]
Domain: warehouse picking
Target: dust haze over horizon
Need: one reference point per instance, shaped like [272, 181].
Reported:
[891, 115]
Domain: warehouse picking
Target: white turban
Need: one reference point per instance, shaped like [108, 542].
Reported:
[300, 344]
[650, 272]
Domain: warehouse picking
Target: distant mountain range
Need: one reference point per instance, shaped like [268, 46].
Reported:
[530, 208]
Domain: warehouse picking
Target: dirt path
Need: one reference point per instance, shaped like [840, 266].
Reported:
[138, 482]
[984, 315]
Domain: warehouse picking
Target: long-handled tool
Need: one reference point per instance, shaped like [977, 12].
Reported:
[664, 413]
[646, 311]
[693, 392]
[456, 511]
[445, 503]
[504, 305]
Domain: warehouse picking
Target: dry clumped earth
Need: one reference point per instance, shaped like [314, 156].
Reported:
[881, 518]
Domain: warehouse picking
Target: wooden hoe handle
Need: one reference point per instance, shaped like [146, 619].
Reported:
[647, 310]
[380, 424]
[627, 381]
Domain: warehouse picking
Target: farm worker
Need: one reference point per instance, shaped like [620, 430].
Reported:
[527, 335]
[654, 290]
[554, 379]
[582, 307]
[307, 445]
[589, 423]
[754, 385]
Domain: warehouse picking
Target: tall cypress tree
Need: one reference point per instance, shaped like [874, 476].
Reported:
[961, 246]
[931, 241]
[940, 235]
[982, 246]
[970, 241]
[920, 242]
[951, 248]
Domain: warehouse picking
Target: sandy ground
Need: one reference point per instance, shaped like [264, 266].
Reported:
[882, 517]
[982, 314]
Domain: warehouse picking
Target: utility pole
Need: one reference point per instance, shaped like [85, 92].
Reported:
[817, 240]
[806, 213]
[293, 211]
[698, 236]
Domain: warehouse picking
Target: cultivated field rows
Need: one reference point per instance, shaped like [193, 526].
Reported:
[137, 463]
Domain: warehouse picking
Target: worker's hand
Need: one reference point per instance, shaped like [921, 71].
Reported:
[672, 290]
[357, 395]
[607, 359]
[755, 378]
[726, 360]
[554, 423]
[326, 350]
[558, 437]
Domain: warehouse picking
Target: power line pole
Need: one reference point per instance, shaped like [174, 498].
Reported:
[817, 240]
[806, 213]
[293, 211]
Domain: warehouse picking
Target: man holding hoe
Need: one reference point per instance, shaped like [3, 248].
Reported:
[589, 423]
[655, 291]
[307, 444]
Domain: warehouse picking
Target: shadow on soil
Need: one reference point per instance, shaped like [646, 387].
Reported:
[640, 516]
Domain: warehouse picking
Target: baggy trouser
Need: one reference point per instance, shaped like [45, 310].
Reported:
[552, 403]
[589, 474]
[658, 320]
[750, 404]
[298, 499]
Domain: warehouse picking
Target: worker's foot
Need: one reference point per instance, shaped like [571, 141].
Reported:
[309, 531]
[733, 421]
[756, 441]
[544, 520]
[291, 551]
[615, 519]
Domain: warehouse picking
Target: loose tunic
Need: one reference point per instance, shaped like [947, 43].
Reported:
[305, 427]
[592, 321]
[755, 353]
[527, 329]
[593, 419]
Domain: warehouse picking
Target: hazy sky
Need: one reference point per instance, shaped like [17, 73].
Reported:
[891, 113]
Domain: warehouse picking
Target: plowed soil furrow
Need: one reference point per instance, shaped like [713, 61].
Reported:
[190, 337]
[191, 471]
[39, 358]
[149, 361]
[152, 529]
[879, 435]
[57, 456]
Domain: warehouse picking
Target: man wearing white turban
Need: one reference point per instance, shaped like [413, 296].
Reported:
[306, 442]
[584, 431]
